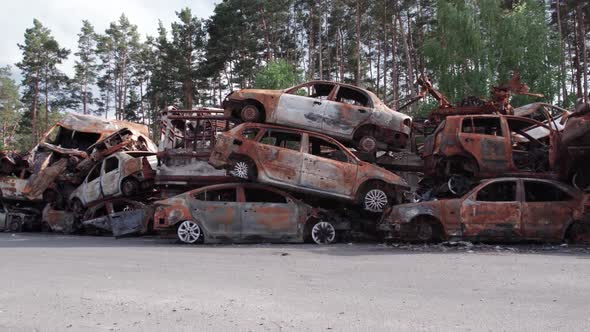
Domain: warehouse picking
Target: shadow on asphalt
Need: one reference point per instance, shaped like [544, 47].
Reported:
[53, 240]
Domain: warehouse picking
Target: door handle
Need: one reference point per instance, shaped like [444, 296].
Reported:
[317, 102]
[362, 111]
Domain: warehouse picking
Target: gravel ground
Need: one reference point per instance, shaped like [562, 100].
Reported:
[82, 283]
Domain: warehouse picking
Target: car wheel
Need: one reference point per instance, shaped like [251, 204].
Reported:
[250, 113]
[367, 144]
[323, 232]
[15, 225]
[458, 184]
[375, 200]
[129, 187]
[189, 232]
[242, 169]
[581, 179]
[425, 232]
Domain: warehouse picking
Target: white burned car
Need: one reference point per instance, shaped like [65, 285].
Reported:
[122, 174]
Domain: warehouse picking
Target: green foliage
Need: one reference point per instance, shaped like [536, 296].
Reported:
[9, 108]
[278, 74]
[477, 44]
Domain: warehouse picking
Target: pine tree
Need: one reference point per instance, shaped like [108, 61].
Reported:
[86, 67]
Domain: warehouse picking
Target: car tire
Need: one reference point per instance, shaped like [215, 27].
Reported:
[250, 113]
[189, 232]
[458, 185]
[129, 187]
[367, 144]
[375, 199]
[578, 233]
[323, 232]
[243, 169]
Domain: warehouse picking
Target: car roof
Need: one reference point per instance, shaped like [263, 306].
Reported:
[313, 133]
[240, 184]
[555, 182]
[343, 84]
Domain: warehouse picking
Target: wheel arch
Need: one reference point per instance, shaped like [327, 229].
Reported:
[255, 102]
[433, 220]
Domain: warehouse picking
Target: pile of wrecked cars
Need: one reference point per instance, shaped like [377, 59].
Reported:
[315, 162]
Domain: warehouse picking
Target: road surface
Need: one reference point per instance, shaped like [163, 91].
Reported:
[80, 283]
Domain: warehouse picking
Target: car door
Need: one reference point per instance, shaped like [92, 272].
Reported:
[546, 210]
[110, 176]
[92, 187]
[349, 108]
[218, 211]
[98, 217]
[267, 215]
[483, 138]
[492, 211]
[279, 153]
[327, 167]
[127, 218]
[304, 106]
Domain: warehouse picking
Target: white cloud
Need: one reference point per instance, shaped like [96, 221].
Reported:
[64, 18]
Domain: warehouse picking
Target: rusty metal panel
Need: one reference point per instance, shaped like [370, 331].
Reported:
[269, 221]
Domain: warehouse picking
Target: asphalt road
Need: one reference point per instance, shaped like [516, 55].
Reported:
[81, 283]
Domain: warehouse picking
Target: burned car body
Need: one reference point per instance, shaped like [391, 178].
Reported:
[243, 212]
[186, 140]
[304, 161]
[121, 174]
[503, 209]
[119, 216]
[17, 219]
[352, 115]
[75, 143]
[483, 146]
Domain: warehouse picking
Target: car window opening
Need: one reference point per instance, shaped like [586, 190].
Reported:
[503, 191]
[255, 195]
[352, 97]
[535, 191]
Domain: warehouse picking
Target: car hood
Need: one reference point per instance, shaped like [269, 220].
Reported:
[404, 213]
[252, 93]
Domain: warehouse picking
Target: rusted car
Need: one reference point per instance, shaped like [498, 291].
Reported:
[14, 218]
[503, 209]
[67, 151]
[354, 116]
[484, 146]
[121, 174]
[243, 212]
[576, 147]
[119, 216]
[62, 221]
[186, 140]
[304, 161]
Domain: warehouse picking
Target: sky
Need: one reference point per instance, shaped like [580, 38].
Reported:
[64, 19]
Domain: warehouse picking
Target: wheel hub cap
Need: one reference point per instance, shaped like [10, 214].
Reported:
[323, 233]
[240, 170]
[189, 232]
[375, 200]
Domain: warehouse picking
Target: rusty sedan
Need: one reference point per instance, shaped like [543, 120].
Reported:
[503, 209]
[354, 116]
[306, 162]
[243, 212]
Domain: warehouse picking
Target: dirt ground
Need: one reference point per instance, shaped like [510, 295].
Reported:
[81, 283]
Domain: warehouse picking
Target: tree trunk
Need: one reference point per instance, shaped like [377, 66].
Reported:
[561, 55]
[269, 55]
[320, 62]
[410, 68]
[311, 68]
[46, 98]
[578, 52]
[358, 43]
[328, 52]
[394, 71]
[385, 26]
[35, 102]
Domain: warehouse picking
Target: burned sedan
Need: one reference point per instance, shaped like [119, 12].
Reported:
[306, 162]
[503, 209]
[354, 116]
[243, 212]
[121, 174]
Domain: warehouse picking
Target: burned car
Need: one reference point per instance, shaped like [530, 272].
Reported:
[69, 149]
[119, 216]
[354, 116]
[243, 212]
[121, 174]
[503, 209]
[17, 219]
[304, 161]
[484, 146]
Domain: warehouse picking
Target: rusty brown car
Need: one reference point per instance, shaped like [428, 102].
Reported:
[354, 116]
[243, 212]
[485, 146]
[503, 209]
[121, 174]
[304, 161]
